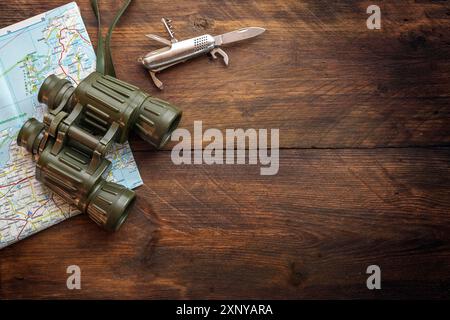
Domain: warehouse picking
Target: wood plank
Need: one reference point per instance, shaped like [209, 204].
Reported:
[318, 74]
[228, 232]
[326, 82]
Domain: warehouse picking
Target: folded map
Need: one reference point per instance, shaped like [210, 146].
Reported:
[55, 42]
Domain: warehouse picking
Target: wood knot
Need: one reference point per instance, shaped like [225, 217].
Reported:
[296, 277]
[199, 22]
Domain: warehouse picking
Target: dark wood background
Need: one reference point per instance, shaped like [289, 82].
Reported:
[364, 178]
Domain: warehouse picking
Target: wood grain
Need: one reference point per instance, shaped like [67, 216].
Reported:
[227, 232]
[317, 73]
[364, 119]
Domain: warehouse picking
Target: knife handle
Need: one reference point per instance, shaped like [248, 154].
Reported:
[178, 52]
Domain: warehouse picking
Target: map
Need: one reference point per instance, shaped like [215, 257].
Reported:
[55, 42]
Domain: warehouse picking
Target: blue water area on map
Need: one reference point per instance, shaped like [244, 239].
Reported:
[129, 177]
[28, 55]
[5, 141]
[16, 99]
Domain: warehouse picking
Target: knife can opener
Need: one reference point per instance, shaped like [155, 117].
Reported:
[177, 52]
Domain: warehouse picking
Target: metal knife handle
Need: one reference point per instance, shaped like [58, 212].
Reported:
[178, 52]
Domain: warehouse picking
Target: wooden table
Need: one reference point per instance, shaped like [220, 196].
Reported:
[364, 179]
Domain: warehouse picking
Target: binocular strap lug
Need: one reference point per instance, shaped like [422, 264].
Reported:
[102, 147]
[61, 124]
[54, 124]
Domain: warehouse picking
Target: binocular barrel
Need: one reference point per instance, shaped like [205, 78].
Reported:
[66, 174]
[80, 127]
[109, 100]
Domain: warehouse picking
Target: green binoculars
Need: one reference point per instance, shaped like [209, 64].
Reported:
[81, 125]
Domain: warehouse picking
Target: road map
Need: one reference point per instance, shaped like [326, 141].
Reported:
[55, 42]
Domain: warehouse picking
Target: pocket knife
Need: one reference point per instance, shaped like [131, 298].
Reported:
[176, 51]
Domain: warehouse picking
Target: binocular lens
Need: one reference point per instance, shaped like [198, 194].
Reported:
[156, 120]
[110, 205]
[30, 135]
[52, 91]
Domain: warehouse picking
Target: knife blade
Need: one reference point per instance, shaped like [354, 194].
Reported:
[238, 35]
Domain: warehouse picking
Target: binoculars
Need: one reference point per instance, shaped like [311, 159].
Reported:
[81, 124]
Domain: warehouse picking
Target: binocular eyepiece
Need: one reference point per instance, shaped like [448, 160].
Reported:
[78, 130]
